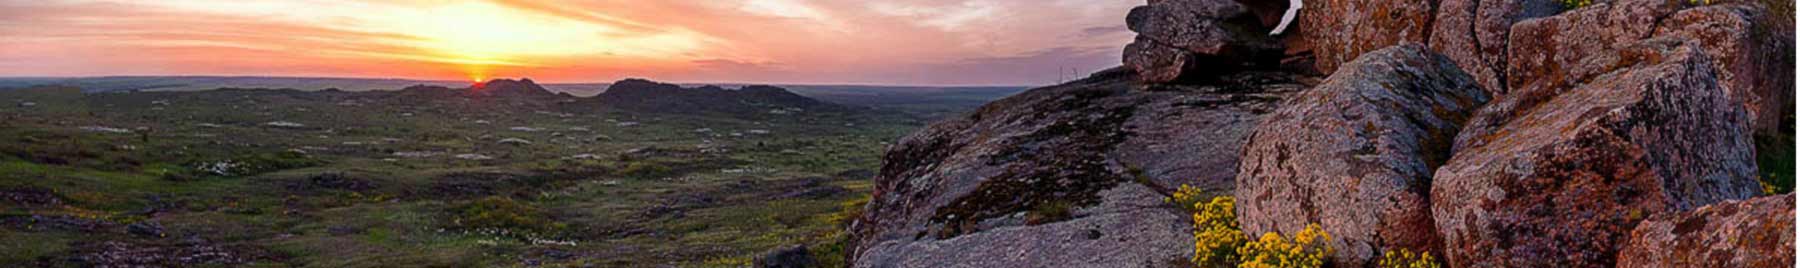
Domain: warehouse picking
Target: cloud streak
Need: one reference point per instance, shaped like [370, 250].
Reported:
[924, 42]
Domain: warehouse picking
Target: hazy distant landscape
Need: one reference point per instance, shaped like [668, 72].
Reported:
[929, 101]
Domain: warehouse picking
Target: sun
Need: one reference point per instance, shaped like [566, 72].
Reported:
[477, 78]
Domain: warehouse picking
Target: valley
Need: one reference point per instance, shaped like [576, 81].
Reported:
[505, 173]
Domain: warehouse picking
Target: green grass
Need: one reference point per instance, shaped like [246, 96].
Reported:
[675, 203]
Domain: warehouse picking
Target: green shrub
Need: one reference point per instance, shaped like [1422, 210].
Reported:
[504, 213]
[1048, 212]
[1404, 258]
[646, 170]
[1775, 156]
[833, 252]
[849, 211]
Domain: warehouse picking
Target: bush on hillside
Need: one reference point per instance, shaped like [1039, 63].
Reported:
[504, 213]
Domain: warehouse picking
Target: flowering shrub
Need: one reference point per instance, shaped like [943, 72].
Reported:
[1307, 249]
[1219, 242]
[1216, 234]
[1188, 197]
[1404, 258]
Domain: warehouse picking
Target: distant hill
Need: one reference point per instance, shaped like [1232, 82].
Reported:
[646, 95]
[925, 101]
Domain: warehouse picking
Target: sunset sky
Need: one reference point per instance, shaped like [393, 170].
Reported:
[913, 42]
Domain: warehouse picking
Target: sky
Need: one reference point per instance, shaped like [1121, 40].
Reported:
[890, 42]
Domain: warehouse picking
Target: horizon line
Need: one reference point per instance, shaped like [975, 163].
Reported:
[522, 77]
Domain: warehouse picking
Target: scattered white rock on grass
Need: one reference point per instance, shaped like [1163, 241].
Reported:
[627, 124]
[585, 157]
[579, 129]
[474, 157]
[484, 122]
[106, 129]
[515, 141]
[416, 154]
[27, 104]
[758, 131]
[209, 125]
[526, 129]
[285, 124]
[702, 130]
[221, 168]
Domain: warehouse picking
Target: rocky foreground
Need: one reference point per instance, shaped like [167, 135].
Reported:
[1498, 133]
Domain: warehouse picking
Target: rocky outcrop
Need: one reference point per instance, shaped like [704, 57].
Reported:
[1356, 154]
[1070, 175]
[1758, 233]
[1557, 180]
[1473, 33]
[1753, 69]
[1196, 38]
[1340, 31]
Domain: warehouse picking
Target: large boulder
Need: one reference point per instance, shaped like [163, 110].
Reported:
[1180, 39]
[1558, 180]
[1757, 233]
[1063, 176]
[1754, 58]
[1341, 30]
[1751, 56]
[1356, 154]
[1473, 33]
